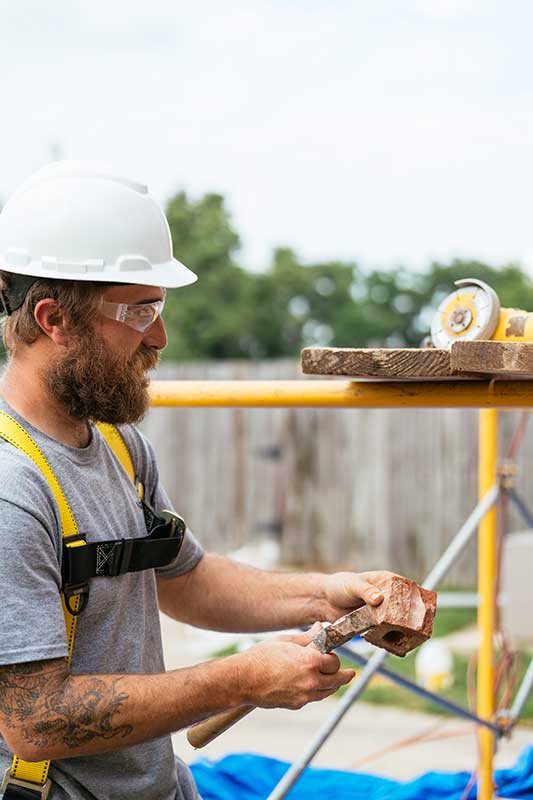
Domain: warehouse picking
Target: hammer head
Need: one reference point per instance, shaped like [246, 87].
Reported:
[404, 620]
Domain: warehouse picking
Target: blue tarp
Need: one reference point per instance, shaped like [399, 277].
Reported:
[251, 777]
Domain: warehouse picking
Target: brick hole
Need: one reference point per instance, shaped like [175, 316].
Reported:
[393, 637]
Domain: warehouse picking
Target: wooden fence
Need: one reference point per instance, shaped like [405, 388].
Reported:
[364, 489]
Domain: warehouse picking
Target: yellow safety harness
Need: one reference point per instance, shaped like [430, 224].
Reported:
[28, 776]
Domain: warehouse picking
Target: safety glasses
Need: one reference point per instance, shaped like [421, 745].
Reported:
[137, 316]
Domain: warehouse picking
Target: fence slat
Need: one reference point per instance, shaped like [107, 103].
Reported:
[370, 489]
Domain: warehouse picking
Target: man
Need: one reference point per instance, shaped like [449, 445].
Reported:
[85, 260]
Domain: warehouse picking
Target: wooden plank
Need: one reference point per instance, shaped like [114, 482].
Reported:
[381, 362]
[491, 358]
[465, 360]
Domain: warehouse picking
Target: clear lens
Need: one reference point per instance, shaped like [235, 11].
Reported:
[137, 316]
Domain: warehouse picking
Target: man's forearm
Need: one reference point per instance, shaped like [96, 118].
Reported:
[224, 595]
[45, 712]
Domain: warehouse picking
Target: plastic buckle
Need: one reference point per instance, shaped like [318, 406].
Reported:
[69, 592]
[38, 791]
[173, 521]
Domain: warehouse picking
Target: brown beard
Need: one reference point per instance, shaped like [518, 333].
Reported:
[93, 383]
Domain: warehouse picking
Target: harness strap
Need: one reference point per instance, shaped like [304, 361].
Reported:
[119, 556]
[36, 772]
[118, 446]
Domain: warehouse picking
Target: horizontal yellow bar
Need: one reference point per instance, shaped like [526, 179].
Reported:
[344, 394]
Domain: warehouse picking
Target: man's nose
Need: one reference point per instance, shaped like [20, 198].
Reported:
[156, 335]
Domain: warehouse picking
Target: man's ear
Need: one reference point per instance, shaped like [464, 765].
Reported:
[51, 319]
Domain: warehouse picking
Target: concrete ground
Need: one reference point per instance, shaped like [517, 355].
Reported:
[366, 740]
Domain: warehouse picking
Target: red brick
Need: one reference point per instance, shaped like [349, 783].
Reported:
[404, 620]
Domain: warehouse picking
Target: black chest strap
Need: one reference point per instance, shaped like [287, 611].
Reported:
[118, 556]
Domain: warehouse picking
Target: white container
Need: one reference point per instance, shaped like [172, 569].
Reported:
[434, 665]
[516, 587]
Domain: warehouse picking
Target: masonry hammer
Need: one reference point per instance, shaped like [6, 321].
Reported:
[401, 622]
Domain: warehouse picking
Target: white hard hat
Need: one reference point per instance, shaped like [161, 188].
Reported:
[75, 221]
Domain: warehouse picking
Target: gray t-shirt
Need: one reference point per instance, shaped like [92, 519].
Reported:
[119, 632]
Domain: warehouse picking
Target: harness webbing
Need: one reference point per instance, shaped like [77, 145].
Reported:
[118, 446]
[14, 433]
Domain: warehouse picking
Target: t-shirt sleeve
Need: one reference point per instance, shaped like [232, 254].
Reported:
[33, 625]
[191, 552]
[145, 461]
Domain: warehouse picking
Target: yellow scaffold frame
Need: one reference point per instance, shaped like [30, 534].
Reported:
[485, 395]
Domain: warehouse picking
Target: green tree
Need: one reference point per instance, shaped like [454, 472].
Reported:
[300, 304]
[203, 320]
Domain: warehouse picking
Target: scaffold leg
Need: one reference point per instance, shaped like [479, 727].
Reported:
[488, 454]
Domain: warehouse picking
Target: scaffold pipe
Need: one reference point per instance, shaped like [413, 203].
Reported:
[343, 394]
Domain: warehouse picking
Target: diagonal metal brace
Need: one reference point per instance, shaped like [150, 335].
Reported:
[441, 568]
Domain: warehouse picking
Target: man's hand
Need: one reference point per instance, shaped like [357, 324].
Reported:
[346, 591]
[285, 673]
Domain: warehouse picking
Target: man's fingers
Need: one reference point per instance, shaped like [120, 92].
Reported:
[342, 677]
[329, 664]
[351, 590]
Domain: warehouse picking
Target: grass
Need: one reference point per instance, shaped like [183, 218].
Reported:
[447, 620]
[383, 691]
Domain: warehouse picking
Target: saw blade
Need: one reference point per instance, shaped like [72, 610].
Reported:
[470, 312]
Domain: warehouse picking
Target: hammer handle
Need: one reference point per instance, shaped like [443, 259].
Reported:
[325, 641]
[204, 732]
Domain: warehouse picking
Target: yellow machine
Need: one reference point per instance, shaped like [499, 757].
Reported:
[472, 312]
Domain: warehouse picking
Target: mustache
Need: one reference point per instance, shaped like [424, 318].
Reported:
[145, 358]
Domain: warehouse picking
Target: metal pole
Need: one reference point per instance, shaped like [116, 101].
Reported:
[375, 662]
[459, 600]
[488, 453]
[344, 394]
[462, 537]
[522, 694]
[519, 503]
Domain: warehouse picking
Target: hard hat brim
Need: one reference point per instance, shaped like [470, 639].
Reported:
[169, 275]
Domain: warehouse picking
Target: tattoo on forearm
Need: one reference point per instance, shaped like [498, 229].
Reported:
[21, 687]
[50, 709]
[78, 714]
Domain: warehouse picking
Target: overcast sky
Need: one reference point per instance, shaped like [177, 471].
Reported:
[381, 131]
